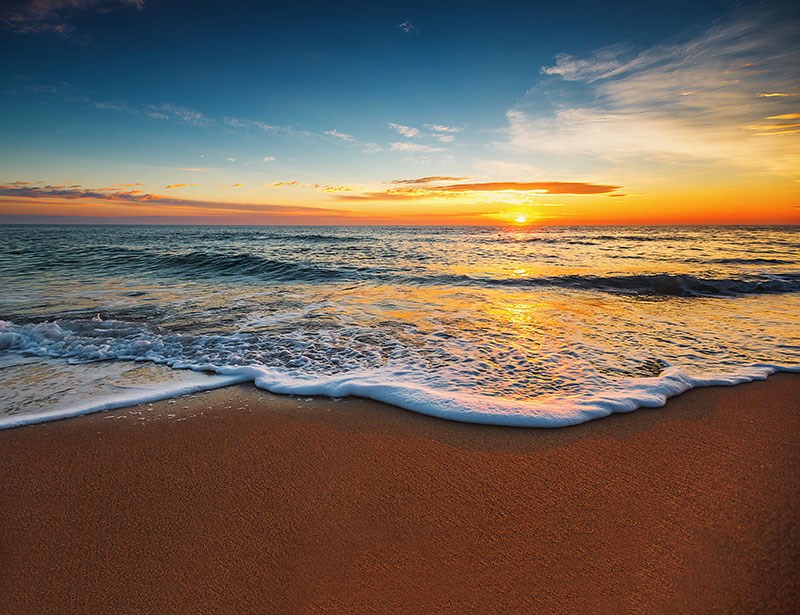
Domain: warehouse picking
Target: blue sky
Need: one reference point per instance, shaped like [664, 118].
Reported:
[243, 100]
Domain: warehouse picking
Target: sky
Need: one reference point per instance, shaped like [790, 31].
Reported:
[518, 113]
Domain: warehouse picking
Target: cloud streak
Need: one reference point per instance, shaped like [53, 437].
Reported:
[403, 146]
[451, 191]
[340, 135]
[429, 180]
[37, 16]
[20, 190]
[679, 102]
[406, 131]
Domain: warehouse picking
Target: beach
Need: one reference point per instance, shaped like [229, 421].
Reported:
[237, 500]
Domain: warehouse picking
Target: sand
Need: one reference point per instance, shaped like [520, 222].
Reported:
[237, 501]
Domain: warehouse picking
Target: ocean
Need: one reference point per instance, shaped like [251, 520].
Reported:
[523, 326]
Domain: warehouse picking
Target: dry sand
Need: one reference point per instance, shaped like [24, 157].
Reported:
[269, 504]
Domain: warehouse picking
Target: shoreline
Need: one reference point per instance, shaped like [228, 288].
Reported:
[238, 500]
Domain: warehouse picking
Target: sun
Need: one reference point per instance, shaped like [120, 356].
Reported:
[520, 219]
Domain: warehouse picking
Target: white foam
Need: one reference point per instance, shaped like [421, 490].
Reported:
[131, 397]
[400, 383]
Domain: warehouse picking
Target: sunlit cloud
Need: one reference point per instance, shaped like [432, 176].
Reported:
[424, 190]
[269, 159]
[539, 187]
[340, 135]
[774, 95]
[406, 131]
[15, 192]
[675, 103]
[413, 147]
[173, 186]
[429, 180]
[785, 116]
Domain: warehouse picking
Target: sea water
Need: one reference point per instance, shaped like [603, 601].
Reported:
[526, 326]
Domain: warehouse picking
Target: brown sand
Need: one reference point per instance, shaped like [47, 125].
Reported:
[268, 504]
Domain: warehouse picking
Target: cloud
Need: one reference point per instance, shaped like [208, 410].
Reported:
[785, 116]
[774, 95]
[115, 106]
[163, 112]
[36, 16]
[446, 138]
[231, 159]
[442, 128]
[413, 147]
[451, 191]
[236, 122]
[429, 180]
[685, 102]
[172, 186]
[269, 159]
[193, 169]
[133, 197]
[178, 114]
[408, 27]
[539, 187]
[284, 184]
[340, 135]
[406, 131]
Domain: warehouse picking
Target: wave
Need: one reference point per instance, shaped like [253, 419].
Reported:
[750, 261]
[84, 340]
[205, 265]
[670, 285]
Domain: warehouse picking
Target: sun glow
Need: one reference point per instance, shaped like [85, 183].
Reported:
[520, 219]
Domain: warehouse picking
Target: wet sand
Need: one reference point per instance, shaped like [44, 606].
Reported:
[237, 501]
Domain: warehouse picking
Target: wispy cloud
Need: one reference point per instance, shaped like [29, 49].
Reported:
[340, 135]
[406, 131]
[404, 146]
[269, 159]
[687, 101]
[539, 187]
[173, 186]
[178, 114]
[36, 16]
[235, 122]
[294, 183]
[115, 106]
[429, 180]
[408, 27]
[442, 128]
[71, 193]
[453, 191]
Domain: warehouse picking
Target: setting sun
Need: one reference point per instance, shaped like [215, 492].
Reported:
[520, 219]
